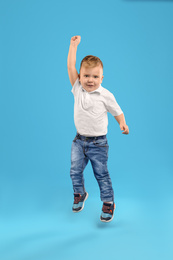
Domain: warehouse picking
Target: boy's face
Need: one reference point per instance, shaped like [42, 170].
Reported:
[91, 78]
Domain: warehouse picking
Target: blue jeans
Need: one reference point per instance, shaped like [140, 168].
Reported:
[94, 149]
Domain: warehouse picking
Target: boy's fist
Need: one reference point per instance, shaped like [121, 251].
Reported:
[75, 40]
[124, 128]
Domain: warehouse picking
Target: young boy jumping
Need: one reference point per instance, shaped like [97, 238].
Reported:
[92, 102]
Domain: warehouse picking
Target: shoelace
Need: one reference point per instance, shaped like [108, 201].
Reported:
[77, 199]
[107, 209]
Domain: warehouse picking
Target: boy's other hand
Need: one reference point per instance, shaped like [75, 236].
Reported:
[75, 40]
[125, 128]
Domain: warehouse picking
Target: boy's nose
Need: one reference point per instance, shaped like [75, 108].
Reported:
[90, 80]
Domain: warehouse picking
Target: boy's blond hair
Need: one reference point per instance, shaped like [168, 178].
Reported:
[91, 61]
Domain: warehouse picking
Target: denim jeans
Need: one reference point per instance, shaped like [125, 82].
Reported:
[94, 149]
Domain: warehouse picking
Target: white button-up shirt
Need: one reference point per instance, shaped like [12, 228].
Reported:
[90, 109]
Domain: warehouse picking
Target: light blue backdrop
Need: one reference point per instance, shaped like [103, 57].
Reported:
[134, 41]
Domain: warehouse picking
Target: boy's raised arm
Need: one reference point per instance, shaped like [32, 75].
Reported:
[71, 60]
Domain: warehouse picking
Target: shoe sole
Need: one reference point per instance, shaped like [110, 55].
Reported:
[102, 220]
[83, 204]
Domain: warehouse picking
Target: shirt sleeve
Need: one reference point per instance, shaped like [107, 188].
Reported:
[75, 86]
[112, 105]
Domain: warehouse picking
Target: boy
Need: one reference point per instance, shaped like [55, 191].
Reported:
[92, 102]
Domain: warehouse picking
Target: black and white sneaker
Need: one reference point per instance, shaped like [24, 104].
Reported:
[107, 212]
[79, 201]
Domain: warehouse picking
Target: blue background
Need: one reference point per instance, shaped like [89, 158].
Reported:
[134, 41]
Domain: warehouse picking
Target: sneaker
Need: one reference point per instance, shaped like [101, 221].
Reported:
[107, 212]
[79, 201]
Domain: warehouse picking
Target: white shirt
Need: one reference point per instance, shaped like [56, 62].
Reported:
[90, 109]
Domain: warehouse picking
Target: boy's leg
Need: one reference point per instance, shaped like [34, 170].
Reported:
[78, 164]
[98, 155]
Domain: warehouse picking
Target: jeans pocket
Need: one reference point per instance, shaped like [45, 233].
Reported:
[101, 143]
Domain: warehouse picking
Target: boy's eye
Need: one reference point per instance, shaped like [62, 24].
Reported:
[88, 76]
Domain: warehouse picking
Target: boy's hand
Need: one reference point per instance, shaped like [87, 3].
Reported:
[125, 128]
[75, 40]
[71, 60]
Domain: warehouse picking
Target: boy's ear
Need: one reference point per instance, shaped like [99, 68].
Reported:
[79, 77]
[102, 78]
